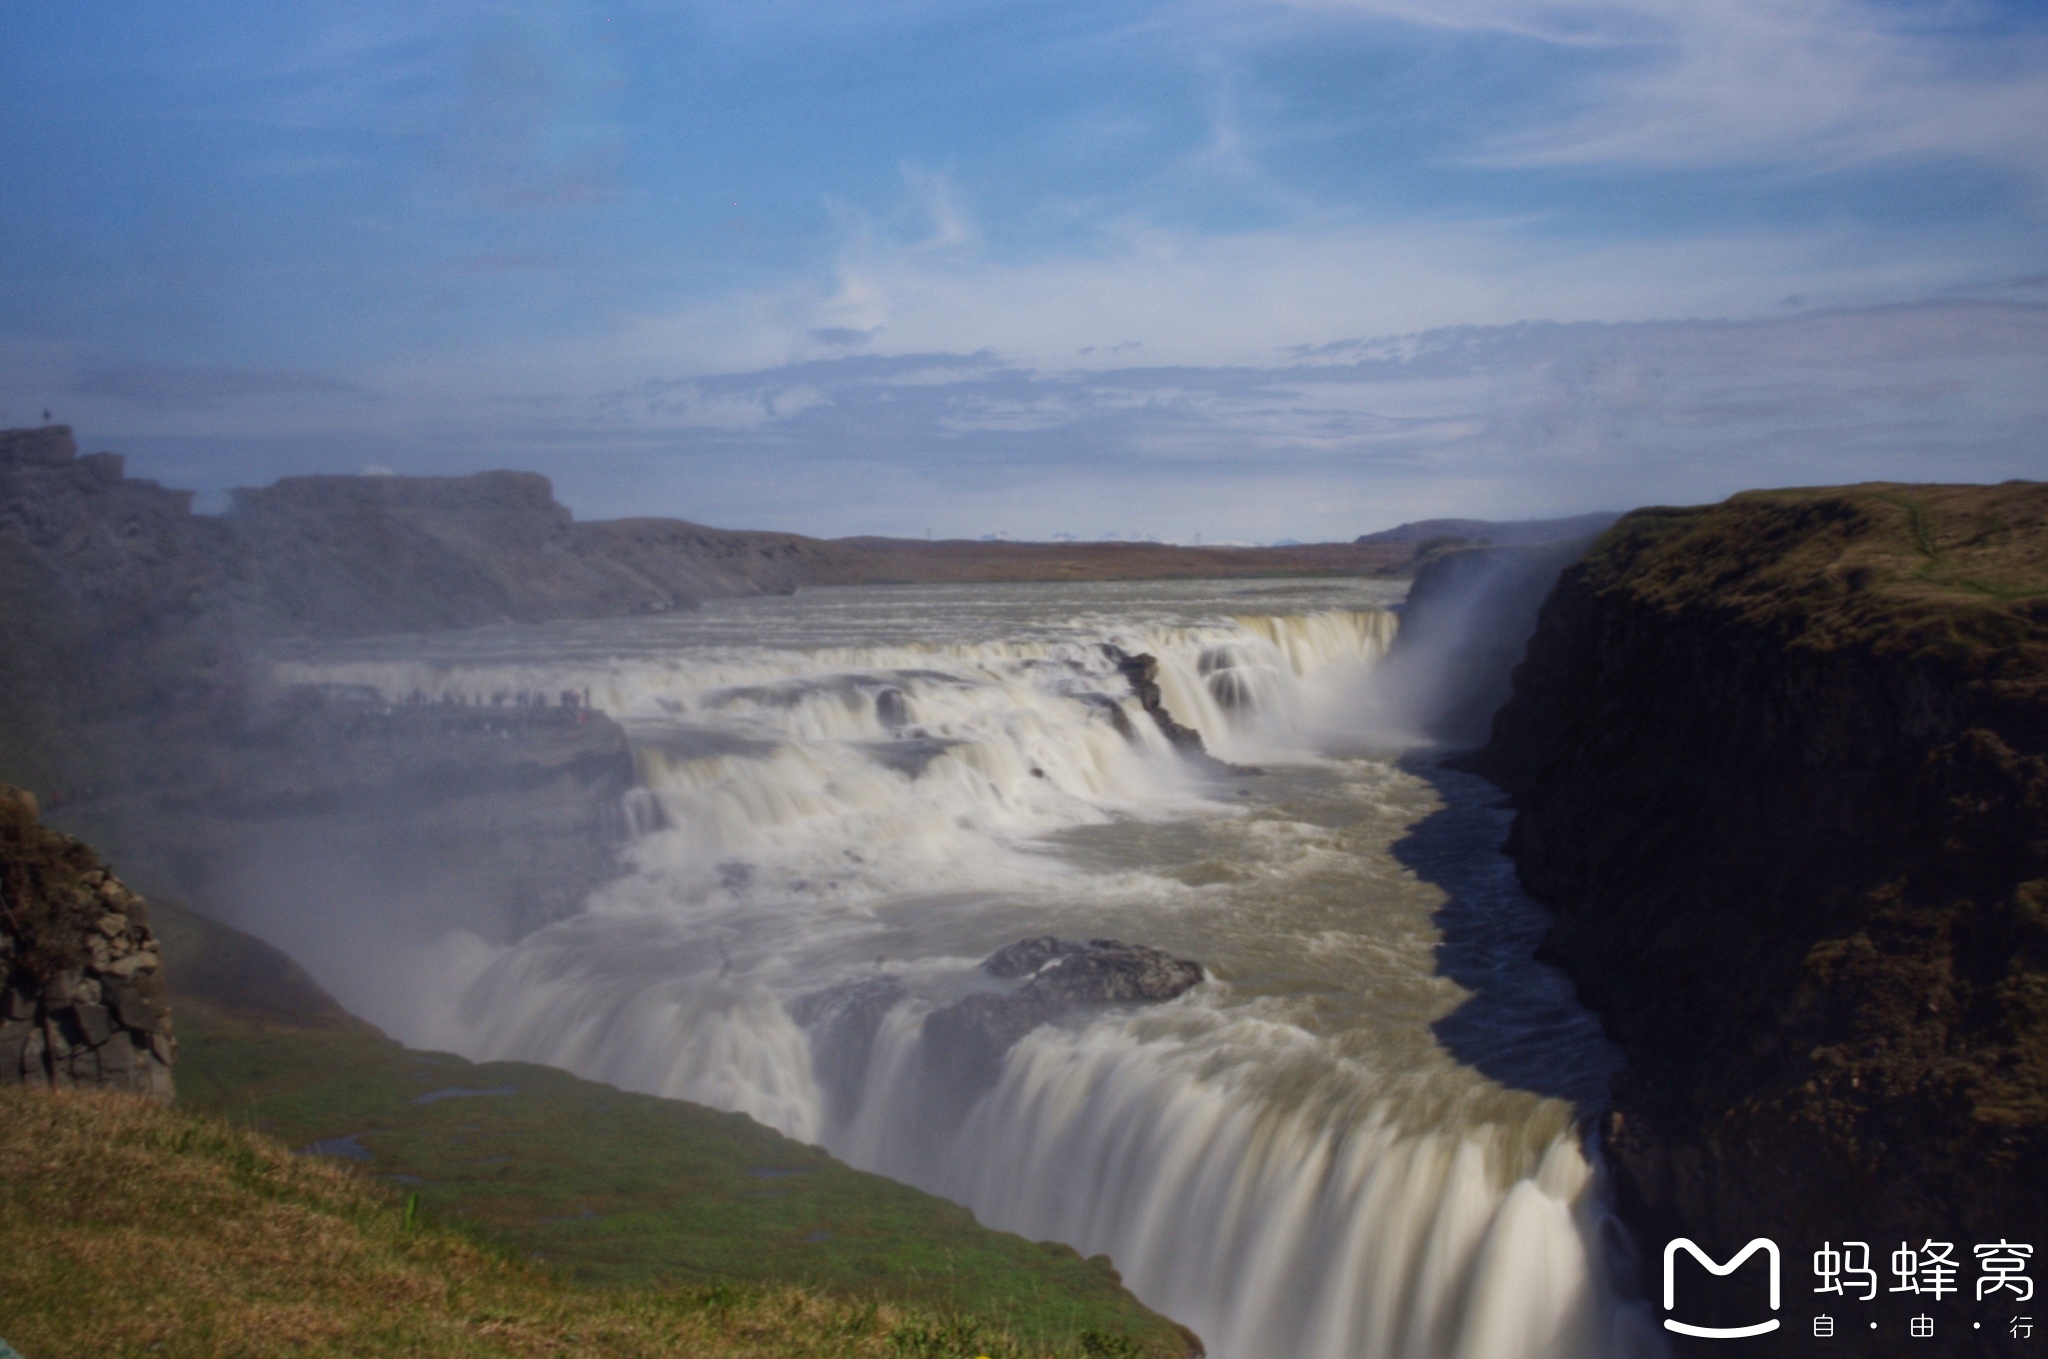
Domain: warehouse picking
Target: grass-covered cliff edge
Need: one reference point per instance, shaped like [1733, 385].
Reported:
[1779, 767]
[135, 1229]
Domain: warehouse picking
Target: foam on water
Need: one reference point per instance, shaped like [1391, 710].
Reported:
[887, 785]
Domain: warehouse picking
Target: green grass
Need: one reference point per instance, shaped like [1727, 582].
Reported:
[136, 1230]
[602, 1187]
[1955, 570]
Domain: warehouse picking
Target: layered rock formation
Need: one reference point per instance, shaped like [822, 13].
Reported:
[1781, 766]
[81, 987]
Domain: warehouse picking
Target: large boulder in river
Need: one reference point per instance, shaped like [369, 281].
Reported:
[1098, 972]
[965, 1042]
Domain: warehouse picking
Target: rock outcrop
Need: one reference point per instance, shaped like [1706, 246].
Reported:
[1781, 766]
[1143, 673]
[112, 603]
[843, 1022]
[81, 987]
[348, 556]
[965, 1041]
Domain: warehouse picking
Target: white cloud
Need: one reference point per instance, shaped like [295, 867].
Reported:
[1807, 85]
[1495, 421]
[1180, 297]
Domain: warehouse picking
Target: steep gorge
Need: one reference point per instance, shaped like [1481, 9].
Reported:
[1781, 768]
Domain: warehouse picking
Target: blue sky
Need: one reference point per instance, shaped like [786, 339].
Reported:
[1241, 269]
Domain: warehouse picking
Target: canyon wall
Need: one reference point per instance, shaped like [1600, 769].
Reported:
[1781, 768]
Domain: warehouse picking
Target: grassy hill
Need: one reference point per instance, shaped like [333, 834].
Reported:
[601, 1188]
[133, 1229]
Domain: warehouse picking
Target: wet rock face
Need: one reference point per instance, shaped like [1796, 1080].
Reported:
[81, 990]
[965, 1041]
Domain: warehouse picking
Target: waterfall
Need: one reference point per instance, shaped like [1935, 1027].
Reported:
[829, 836]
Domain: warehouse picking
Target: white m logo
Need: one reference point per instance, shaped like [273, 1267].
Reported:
[1671, 1249]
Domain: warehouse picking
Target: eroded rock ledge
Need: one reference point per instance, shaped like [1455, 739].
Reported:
[81, 989]
[965, 1041]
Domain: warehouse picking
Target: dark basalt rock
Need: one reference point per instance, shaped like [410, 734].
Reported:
[965, 1042]
[892, 710]
[1143, 673]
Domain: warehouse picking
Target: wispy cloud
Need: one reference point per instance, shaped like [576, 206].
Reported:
[1243, 297]
[1814, 86]
[191, 387]
[1328, 441]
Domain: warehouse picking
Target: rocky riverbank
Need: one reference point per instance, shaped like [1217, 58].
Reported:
[1781, 767]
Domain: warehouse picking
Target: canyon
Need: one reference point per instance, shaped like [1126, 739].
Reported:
[1781, 767]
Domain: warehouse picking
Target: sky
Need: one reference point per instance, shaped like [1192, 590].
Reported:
[1246, 270]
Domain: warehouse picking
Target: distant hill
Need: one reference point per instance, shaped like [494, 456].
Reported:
[1511, 532]
[91, 550]
[898, 561]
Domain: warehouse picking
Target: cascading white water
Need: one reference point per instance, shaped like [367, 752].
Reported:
[870, 790]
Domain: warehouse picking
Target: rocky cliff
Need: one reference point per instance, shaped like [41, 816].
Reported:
[334, 556]
[348, 556]
[81, 991]
[1781, 767]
